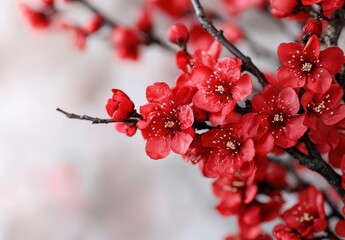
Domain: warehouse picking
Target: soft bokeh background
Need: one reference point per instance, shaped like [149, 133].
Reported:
[67, 179]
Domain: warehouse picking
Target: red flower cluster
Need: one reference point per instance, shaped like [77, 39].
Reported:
[213, 117]
[305, 218]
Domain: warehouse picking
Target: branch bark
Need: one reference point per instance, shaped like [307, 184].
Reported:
[315, 163]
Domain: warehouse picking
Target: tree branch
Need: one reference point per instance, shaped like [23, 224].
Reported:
[149, 37]
[218, 35]
[317, 164]
[94, 120]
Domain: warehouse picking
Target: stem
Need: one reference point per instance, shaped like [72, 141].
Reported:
[317, 164]
[94, 120]
[218, 35]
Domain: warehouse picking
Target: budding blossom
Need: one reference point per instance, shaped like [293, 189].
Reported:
[119, 107]
[178, 34]
[37, 19]
[126, 42]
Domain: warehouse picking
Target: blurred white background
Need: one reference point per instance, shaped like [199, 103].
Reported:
[68, 179]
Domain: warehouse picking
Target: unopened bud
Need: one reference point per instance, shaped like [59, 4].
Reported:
[178, 34]
[313, 27]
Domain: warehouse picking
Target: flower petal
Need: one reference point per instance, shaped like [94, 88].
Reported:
[158, 148]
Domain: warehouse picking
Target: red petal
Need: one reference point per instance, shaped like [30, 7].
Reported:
[243, 88]
[310, 2]
[186, 116]
[248, 150]
[295, 127]
[159, 92]
[207, 102]
[158, 148]
[319, 81]
[264, 145]
[200, 75]
[287, 50]
[289, 78]
[289, 99]
[332, 60]
[181, 142]
[333, 116]
[340, 228]
[312, 48]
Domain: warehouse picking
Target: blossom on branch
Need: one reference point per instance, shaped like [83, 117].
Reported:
[308, 66]
[165, 126]
[220, 87]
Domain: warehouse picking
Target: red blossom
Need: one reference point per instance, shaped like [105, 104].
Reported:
[340, 228]
[37, 19]
[315, 27]
[308, 66]
[126, 42]
[176, 10]
[128, 129]
[230, 146]
[119, 107]
[207, 57]
[219, 88]
[277, 112]
[94, 24]
[238, 6]
[287, 9]
[144, 21]
[166, 126]
[308, 215]
[325, 106]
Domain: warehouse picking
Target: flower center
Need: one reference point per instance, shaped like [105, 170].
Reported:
[319, 108]
[306, 67]
[278, 118]
[169, 124]
[306, 217]
[220, 89]
[230, 145]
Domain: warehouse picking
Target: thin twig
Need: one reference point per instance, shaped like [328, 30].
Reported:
[218, 35]
[149, 37]
[85, 117]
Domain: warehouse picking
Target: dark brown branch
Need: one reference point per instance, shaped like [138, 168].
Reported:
[317, 164]
[218, 35]
[94, 120]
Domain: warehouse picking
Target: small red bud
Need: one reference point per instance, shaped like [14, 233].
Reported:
[144, 21]
[48, 3]
[313, 27]
[178, 34]
[94, 25]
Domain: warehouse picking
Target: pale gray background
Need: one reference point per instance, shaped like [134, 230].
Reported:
[66, 179]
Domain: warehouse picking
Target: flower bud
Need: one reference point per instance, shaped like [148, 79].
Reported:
[119, 106]
[144, 21]
[178, 34]
[94, 25]
[313, 27]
